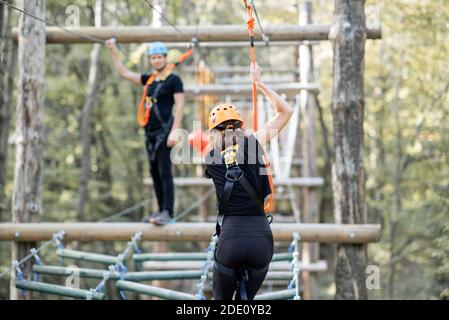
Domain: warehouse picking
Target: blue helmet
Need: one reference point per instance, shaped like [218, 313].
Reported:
[157, 48]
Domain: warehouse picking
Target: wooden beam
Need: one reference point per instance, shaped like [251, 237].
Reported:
[291, 88]
[144, 275]
[269, 80]
[233, 44]
[318, 266]
[58, 290]
[309, 182]
[204, 33]
[193, 256]
[87, 256]
[183, 231]
[154, 291]
[241, 69]
[277, 295]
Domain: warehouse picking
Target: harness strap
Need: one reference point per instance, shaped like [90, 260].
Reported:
[143, 113]
[235, 174]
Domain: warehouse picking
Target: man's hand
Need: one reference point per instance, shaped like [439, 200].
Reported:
[110, 44]
[171, 140]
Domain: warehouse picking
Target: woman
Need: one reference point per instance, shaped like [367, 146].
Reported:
[235, 163]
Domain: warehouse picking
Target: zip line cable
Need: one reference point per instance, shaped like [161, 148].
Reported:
[87, 37]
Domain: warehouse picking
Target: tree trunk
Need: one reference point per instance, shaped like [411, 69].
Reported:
[348, 35]
[8, 59]
[397, 197]
[91, 96]
[28, 171]
[310, 205]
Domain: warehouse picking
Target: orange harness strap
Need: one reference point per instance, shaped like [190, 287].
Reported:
[143, 113]
[250, 24]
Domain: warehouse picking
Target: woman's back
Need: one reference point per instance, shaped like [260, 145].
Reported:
[247, 153]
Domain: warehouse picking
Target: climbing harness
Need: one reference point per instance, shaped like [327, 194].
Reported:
[234, 174]
[143, 113]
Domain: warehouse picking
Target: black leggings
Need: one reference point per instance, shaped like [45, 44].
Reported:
[160, 169]
[245, 241]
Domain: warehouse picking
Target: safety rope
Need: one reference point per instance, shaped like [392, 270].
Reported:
[250, 24]
[294, 248]
[164, 17]
[56, 239]
[119, 268]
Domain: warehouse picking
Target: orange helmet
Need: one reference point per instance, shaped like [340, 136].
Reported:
[223, 112]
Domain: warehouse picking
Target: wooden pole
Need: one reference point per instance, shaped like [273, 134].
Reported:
[29, 159]
[242, 69]
[310, 210]
[319, 266]
[154, 291]
[87, 256]
[8, 62]
[183, 231]
[139, 34]
[144, 275]
[91, 94]
[232, 44]
[348, 174]
[130, 276]
[290, 88]
[58, 290]
[193, 256]
[277, 295]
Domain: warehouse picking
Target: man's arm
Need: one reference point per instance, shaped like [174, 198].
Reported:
[179, 113]
[121, 69]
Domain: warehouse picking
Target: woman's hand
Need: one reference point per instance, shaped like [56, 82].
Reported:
[110, 44]
[255, 73]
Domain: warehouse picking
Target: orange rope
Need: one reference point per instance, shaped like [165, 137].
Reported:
[184, 56]
[250, 25]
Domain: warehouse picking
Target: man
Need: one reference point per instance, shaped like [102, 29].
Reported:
[165, 89]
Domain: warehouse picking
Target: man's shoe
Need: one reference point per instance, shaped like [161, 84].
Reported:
[152, 216]
[161, 218]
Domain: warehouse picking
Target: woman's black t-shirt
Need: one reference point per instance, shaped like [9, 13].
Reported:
[165, 100]
[251, 163]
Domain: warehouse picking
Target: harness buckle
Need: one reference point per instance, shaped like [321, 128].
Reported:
[234, 174]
